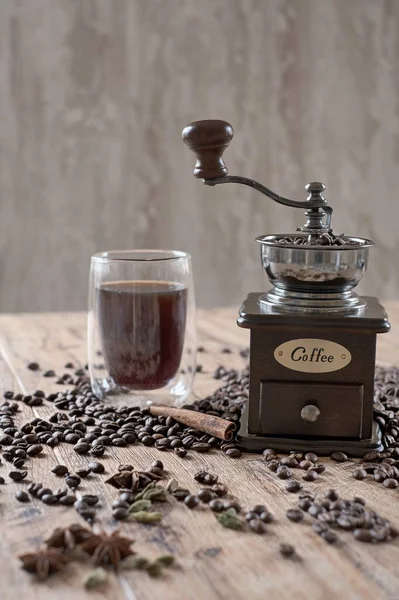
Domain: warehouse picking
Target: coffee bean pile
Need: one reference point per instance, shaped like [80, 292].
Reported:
[304, 463]
[330, 512]
[325, 239]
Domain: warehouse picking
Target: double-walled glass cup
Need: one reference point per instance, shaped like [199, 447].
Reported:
[141, 326]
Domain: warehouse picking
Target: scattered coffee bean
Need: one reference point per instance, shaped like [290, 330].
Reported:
[22, 496]
[119, 514]
[49, 499]
[390, 483]
[311, 456]
[34, 450]
[310, 475]
[294, 514]
[83, 473]
[205, 495]
[72, 481]
[18, 463]
[293, 486]
[233, 452]
[59, 470]
[216, 505]
[257, 526]
[360, 474]
[219, 489]
[191, 501]
[2, 481]
[68, 500]
[49, 373]
[283, 472]
[287, 550]
[339, 456]
[96, 467]
[181, 452]
[363, 535]
[33, 366]
[17, 475]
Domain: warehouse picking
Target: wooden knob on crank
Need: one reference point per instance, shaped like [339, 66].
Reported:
[208, 140]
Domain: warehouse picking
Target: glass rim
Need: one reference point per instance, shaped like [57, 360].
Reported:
[147, 255]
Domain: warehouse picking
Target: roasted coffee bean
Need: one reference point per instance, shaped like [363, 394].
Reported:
[287, 550]
[96, 467]
[2, 481]
[273, 465]
[227, 504]
[120, 504]
[33, 366]
[293, 486]
[83, 473]
[120, 514]
[339, 456]
[315, 509]
[390, 483]
[22, 497]
[98, 450]
[216, 505]
[20, 453]
[331, 494]
[6, 440]
[233, 452]
[72, 481]
[90, 499]
[294, 514]
[34, 450]
[329, 536]
[311, 456]
[305, 504]
[127, 496]
[8, 395]
[283, 472]
[360, 474]
[318, 469]
[266, 517]
[191, 501]
[269, 454]
[205, 495]
[18, 463]
[251, 515]
[180, 494]
[181, 452]
[379, 476]
[363, 535]
[49, 499]
[257, 526]
[60, 470]
[203, 447]
[219, 489]
[17, 475]
[67, 500]
[310, 475]
[49, 373]
[290, 461]
[82, 447]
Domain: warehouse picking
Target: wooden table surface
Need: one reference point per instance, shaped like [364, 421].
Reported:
[214, 563]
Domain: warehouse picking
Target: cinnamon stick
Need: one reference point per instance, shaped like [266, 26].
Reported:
[214, 426]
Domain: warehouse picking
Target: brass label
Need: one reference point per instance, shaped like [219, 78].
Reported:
[311, 355]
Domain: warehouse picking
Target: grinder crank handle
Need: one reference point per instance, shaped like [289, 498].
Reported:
[209, 139]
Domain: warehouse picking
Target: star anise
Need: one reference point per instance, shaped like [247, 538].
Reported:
[107, 549]
[68, 537]
[44, 562]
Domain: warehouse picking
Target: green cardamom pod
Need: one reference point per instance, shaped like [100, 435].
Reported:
[147, 518]
[136, 562]
[230, 520]
[96, 577]
[154, 569]
[167, 560]
[139, 505]
[149, 486]
[156, 495]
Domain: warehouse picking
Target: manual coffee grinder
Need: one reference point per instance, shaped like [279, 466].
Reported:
[312, 339]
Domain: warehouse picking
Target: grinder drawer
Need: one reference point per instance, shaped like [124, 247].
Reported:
[309, 409]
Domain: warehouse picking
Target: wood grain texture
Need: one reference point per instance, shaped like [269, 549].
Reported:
[216, 564]
[95, 93]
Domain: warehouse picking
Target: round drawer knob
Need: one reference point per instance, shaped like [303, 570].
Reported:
[310, 413]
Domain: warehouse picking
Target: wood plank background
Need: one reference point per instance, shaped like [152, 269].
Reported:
[94, 94]
[215, 564]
